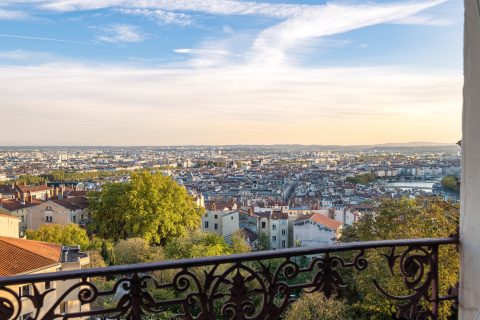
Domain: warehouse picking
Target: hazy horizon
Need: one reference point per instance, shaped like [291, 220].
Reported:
[172, 73]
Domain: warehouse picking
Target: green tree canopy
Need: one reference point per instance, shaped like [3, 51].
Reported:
[195, 245]
[239, 244]
[263, 241]
[69, 235]
[150, 206]
[364, 178]
[314, 306]
[136, 250]
[451, 183]
[402, 219]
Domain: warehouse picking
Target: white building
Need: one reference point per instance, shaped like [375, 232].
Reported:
[315, 230]
[224, 222]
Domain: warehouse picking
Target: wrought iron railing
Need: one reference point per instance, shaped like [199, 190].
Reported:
[257, 285]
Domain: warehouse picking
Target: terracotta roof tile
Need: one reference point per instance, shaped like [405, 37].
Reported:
[323, 220]
[19, 256]
[14, 205]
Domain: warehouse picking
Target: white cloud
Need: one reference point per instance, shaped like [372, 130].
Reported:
[161, 16]
[272, 45]
[229, 105]
[24, 55]
[12, 15]
[299, 26]
[119, 33]
[424, 21]
[17, 36]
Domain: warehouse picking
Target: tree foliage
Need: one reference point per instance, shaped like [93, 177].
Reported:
[69, 235]
[150, 206]
[402, 219]
[239, 244]
[136, 250]
[364, 178]
[263, 241]
[195, 245]
[451, 183]
[313, 306]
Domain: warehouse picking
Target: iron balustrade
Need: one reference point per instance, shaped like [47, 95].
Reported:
[239, 286]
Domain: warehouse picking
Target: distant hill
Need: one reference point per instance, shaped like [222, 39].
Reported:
[416, 144]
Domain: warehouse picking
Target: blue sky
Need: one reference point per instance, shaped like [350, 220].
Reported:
[159, 72]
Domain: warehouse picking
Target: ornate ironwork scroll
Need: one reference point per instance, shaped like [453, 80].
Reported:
[250, 286]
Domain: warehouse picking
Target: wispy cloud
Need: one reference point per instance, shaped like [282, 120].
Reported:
[116, 33]
[12, 15]
[24, 55]
[16, 36]
[299, 25]
[245, 104]
[161, 16]
[272, 45]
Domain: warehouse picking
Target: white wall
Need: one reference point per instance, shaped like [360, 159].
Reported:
[470, 193]
[309, 235]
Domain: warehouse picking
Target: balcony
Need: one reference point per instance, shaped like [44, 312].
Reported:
[258, 285]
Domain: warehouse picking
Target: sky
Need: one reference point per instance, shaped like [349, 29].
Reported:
[217, 72]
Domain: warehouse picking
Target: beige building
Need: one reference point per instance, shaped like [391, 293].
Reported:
[58, 211]
[20, 209]
[20, 256]
[223, 223]
[9, 225]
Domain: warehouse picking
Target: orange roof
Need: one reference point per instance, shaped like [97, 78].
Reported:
[19, 256]
[323, 220]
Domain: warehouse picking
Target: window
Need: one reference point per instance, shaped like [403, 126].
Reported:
[48, 285]
[274, 227]
[283, 244]
[216, 216]
[22, 218]
[231, 218]
[206, 224]
[48, 219]
[74, 219]
[63, 307]
[264, 225]
[284, 232]
[216, 226]
[24, 290]
[274, 238]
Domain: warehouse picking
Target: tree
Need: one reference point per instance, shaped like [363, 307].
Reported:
[313, 306]
[395, 219]
[96, 259]
[69, 235]
[198, 244]
[239, 245]
[136, 250]
[263, 241]
[151, 206]
[451, 183]
[364, 178]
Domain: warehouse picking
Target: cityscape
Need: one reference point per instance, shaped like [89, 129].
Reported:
[249, 198]
[239, 160]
